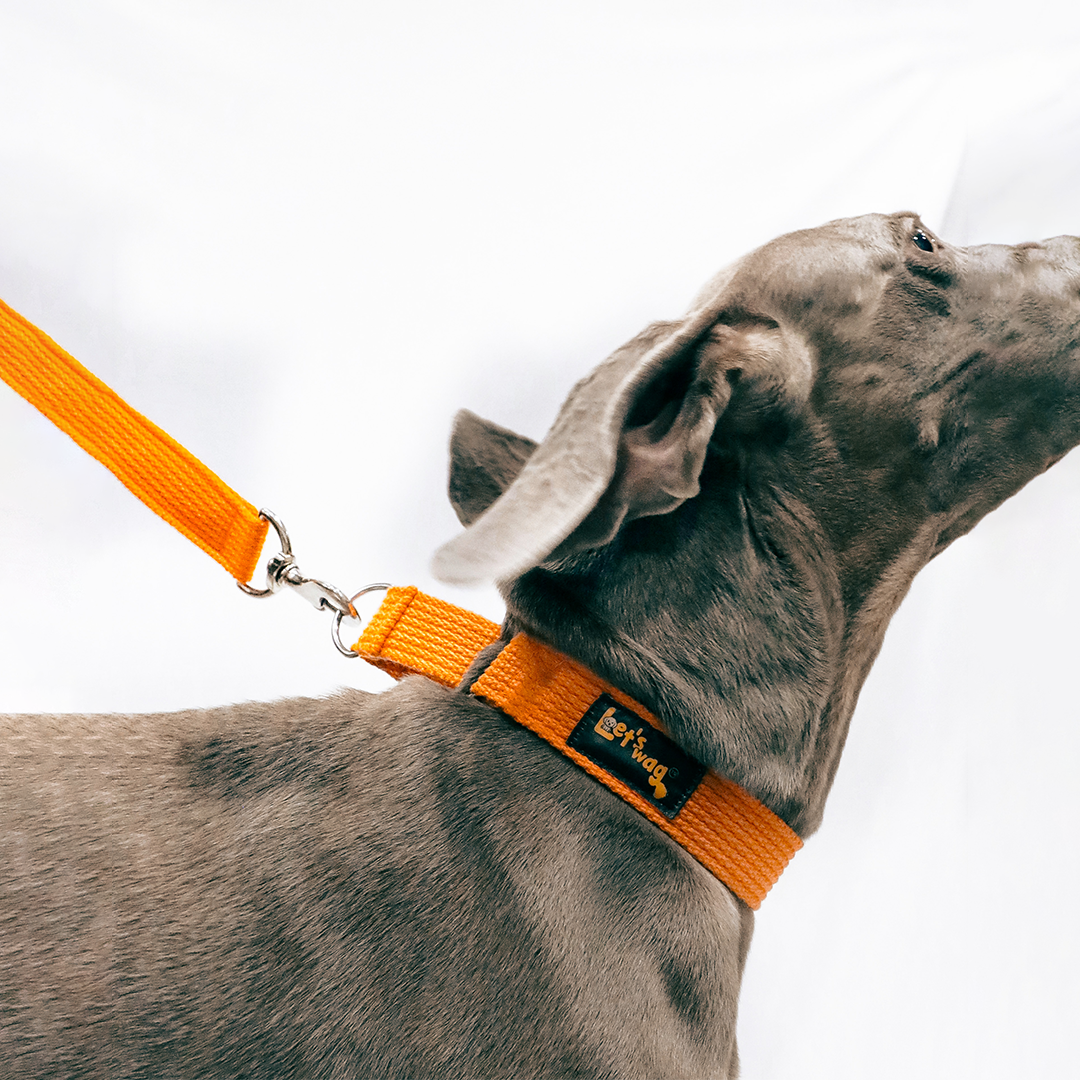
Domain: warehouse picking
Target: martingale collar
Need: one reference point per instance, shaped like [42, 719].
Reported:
[595, 725]
[598, 727]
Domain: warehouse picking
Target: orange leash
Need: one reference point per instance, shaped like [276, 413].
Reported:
[597, 726]
[149, 463]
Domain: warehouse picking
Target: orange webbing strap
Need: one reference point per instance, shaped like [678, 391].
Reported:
[416, 634]
[147, 461]
[724, 827]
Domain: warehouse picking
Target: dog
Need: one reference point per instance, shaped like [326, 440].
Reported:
[720, 523]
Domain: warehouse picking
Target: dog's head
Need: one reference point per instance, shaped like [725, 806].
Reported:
[883, 376]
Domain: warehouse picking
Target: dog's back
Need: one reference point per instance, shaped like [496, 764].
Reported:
[274, 891]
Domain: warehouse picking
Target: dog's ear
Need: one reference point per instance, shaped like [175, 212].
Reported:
[485, 459]
[746, 377]
[631, 439]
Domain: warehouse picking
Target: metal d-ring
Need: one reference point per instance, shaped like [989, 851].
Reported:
[335, 628]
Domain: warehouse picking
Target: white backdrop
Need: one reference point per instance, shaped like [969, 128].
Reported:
[299, 236]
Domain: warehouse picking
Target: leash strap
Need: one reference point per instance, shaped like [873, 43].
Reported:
[725, 828]
[149, 463]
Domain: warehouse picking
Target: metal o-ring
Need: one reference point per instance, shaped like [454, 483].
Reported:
[335, 626]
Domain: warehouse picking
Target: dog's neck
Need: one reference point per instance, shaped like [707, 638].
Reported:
[756, 674]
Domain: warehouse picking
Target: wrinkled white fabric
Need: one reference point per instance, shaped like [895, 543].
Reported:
[300, 236]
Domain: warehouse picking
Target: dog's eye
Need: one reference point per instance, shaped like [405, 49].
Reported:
[921, 240]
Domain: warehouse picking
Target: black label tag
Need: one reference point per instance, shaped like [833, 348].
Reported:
[643, 758]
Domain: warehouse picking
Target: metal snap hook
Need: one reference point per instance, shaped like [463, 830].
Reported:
[281, 570]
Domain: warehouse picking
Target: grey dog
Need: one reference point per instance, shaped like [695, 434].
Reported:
[721, 522]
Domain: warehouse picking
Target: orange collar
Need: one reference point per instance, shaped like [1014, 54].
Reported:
[598, 727]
